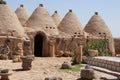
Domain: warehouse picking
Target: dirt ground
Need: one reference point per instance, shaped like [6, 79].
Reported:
[44, 67]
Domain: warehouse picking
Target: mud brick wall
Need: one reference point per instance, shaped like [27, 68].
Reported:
[15, 45]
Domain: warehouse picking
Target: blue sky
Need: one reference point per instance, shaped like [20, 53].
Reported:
[84, 9]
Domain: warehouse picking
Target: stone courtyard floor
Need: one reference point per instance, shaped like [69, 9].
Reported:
[45, 67]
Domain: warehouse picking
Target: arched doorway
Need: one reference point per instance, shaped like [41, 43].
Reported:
[38, 45]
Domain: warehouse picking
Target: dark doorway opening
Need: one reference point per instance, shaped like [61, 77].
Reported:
[38, 45]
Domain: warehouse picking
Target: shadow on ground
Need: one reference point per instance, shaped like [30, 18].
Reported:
[19, 70]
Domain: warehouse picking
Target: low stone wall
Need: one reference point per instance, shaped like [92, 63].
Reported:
[105, 63]
[15, 46]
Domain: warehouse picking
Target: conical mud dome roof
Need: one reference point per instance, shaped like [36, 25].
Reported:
[56, 18]
[40, 20]
[9, 22]
[22, 14]
[97, 26]
[70, 24]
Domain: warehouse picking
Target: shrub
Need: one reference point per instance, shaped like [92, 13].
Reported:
[97, 45]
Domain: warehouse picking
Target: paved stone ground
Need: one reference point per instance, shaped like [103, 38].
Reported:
[44, 67]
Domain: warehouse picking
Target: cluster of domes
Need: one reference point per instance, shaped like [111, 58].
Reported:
[41, 20]
[22, 25]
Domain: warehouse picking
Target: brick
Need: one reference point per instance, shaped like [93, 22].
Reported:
[118, 69]
[96, 63]
[102, 65]
[113, 68]
[109, 67]
[105, 65]
[112, 63]
[116, 63]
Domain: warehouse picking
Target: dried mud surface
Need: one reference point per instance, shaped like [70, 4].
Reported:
[44, 67]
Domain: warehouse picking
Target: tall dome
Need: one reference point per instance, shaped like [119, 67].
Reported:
[70, 24]
[40, 20]
[97, 26]
[56, 18]
[22, 14]
[9, 22]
